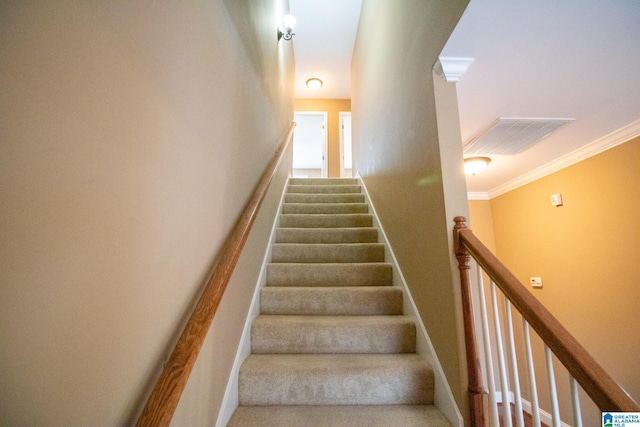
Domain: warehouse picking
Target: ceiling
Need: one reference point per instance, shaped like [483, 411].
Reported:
[575, 59]
[323, 45]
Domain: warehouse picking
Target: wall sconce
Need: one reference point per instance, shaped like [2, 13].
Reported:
[288, 21]
[314, 83]
[475, 165]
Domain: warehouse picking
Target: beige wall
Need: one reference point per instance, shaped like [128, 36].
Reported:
[585, 251]
[397, 152]
[132, 134]
[333, 107]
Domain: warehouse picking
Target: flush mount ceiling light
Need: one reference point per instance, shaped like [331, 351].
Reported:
[288, 21]
[314, 83]
[475, 165]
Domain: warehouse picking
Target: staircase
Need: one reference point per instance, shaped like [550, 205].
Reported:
[331, 346]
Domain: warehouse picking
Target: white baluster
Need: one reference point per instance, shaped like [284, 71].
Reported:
[535, 406]
[486, 338]
[575, 402]
[555, 410]
[504, 380]
[514, 366]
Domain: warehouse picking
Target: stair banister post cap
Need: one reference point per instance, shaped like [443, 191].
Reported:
[460, 221]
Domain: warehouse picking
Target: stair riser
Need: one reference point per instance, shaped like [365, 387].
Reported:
[324, 198]
[327, 335]
[281, 274]
[327, 253]
[339, 416]
[327, 235]
[331, 301]
[326, 221]
[324, 208]
[323, 189]
[335, 383]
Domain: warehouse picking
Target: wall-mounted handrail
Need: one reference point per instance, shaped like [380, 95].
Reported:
[167, 391]
[596, 382]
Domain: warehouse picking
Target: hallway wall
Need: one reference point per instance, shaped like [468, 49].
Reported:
[132, 134]
[586, 252]
[332, 107]
[397, 152]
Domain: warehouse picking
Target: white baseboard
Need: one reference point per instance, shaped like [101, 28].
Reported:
[230, 399]
[545, 417]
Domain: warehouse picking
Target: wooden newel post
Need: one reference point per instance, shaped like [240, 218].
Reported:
[478, 396]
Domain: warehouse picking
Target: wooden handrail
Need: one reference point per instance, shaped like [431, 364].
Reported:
[603, 390]
[166, 394]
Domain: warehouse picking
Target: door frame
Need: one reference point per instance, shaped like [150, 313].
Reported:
[341, 116]
[325, 137]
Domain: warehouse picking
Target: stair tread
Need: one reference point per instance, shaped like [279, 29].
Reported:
[308, 363]
[339, 416]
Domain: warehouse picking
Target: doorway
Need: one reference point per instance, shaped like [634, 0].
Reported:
[310, 144]
[346, 160]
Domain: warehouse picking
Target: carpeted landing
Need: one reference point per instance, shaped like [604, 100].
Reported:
[331, 346]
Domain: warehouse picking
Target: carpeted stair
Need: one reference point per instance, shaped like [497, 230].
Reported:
[331, 346]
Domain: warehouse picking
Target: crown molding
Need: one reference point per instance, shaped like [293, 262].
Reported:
[451, 69]
[598, 146]
[476, 195]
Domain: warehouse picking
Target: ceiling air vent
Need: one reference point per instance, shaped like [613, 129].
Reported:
[512, 135]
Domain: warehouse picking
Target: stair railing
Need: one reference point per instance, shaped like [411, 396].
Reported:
[581, 366]
[168, 389]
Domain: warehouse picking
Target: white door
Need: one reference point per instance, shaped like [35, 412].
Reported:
[346, 161]
[310, 145]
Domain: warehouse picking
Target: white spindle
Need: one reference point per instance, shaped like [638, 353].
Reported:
[555, 410]
[535, 406]
[504, 380]
[486, 339]
[575, 402]
[514, 366]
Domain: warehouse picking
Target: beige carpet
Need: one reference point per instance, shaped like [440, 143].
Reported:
[331, 346]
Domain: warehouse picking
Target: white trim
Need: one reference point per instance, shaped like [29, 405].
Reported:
[325, 138]
[478, 196]
[444, 399]
[545, 417]
[451, 69]
[341, 115]
[598, 146]
[230, 399]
